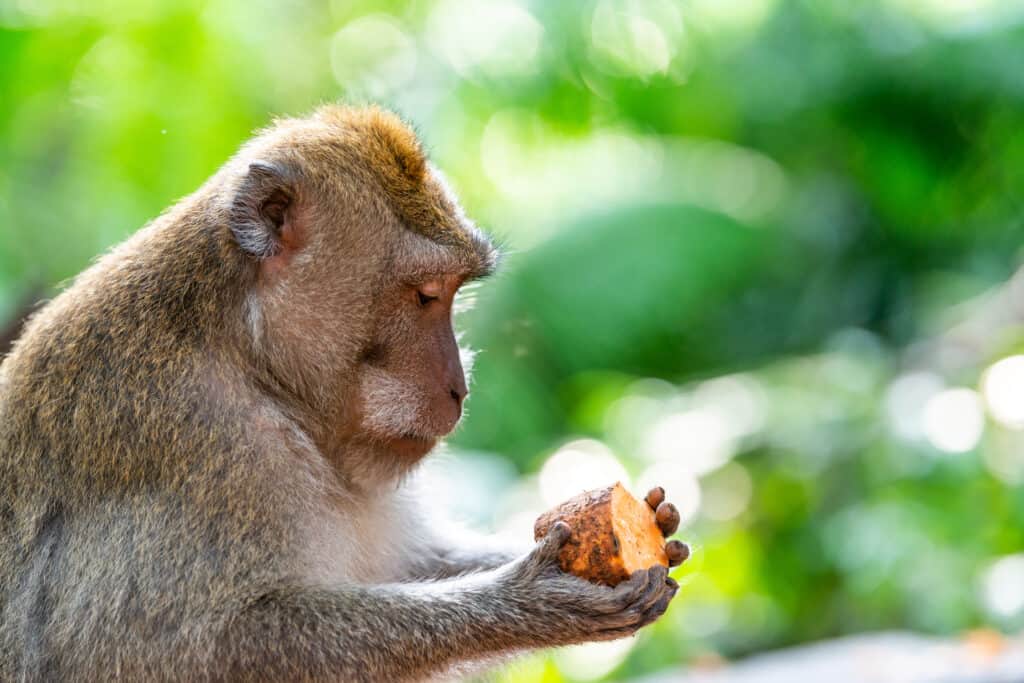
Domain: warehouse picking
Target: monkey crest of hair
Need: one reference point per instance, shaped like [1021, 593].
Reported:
[204, 440]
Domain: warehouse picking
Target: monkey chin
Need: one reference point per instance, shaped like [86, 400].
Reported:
[409, 447]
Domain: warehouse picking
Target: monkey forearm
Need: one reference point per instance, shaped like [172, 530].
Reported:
[377, 633]
[442, 550]
[445, 562]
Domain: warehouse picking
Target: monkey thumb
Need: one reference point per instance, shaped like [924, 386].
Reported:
[553, 541]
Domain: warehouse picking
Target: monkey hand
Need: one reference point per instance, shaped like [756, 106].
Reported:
[561, 609]
[667, 517]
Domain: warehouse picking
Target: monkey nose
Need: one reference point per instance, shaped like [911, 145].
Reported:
[458, 391]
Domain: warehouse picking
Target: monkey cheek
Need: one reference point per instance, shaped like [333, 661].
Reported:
[403, 413]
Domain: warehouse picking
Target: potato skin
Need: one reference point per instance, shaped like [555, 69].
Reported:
[593, 551]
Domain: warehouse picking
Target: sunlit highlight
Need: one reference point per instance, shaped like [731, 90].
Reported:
[1002, 587]
[373, 57]
[579, 466]
[905, 402]
[698, 441]
[953, 420]
[488, 37]
[1003, 388]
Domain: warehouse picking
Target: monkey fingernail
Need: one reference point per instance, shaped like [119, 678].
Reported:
[667, 517]
[677, 553]
[655, 497]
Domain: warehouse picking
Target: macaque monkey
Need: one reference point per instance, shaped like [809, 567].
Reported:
[204, 440]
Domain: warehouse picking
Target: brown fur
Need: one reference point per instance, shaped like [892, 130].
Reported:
[203, 439]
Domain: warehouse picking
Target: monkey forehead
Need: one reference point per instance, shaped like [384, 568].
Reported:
[389, 149]
[375, 147]
[478, 248]
[338, 141]
[382, 138]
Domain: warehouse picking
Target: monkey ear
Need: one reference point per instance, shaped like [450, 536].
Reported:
[262, 209]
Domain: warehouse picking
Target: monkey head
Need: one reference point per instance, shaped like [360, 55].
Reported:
[358, 249]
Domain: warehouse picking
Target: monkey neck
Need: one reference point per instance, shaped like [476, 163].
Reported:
[176, 276]
[361, 464]
[145, 326]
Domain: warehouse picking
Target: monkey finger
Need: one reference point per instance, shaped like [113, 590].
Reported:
[677, 553]
[655, 588]
[667, 517]
[655, 497]
[553, 541]
[655, 591]
[660, 577]
[655, 611]
[659, 600]
[629, 590]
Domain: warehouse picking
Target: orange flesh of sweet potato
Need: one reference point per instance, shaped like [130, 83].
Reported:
[613, 535]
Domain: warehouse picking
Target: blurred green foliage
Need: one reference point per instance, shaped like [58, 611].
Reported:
[764, 211]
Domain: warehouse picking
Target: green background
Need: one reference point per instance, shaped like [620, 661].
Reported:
[758, 248]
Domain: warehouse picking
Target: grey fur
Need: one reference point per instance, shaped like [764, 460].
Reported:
[187, 488]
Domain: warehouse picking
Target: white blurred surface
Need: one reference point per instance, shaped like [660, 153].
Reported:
[890, 657]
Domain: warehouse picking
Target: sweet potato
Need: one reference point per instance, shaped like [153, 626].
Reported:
[613, 535]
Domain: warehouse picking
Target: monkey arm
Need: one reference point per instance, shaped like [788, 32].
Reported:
[445, 560]
[401, 632]
[444, 550]
[393, 632]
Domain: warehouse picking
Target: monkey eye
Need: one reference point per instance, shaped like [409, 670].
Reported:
[429, 291]
[424, 299]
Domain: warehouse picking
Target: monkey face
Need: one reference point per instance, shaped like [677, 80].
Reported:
[410, 376]
[362, 248]
[408, 384]
[411, 383]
